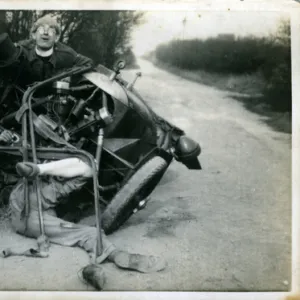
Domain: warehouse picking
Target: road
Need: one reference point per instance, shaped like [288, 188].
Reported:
[224, 228]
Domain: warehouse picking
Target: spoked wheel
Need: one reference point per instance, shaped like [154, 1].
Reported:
[137, 188]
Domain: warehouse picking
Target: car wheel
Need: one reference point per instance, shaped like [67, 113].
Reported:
[137, 188]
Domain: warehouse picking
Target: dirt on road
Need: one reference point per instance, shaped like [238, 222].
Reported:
[224, 228]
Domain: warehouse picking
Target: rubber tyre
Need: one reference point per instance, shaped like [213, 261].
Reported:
[121, 206]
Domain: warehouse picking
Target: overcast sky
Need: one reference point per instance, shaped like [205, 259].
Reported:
[162, 26]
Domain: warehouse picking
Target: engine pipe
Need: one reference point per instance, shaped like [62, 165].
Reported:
[25, 158]
[43, 242]
[99, 249]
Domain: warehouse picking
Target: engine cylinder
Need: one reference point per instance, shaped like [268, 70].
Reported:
[78, 110]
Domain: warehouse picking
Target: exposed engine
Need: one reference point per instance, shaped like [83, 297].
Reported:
[74, 112]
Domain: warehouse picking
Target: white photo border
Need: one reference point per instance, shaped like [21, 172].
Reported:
[289, 6]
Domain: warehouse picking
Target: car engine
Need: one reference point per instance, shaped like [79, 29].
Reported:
[74, 112]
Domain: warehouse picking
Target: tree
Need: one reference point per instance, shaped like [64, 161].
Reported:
[19, 22]
[283, 34]
[277, 70]
[104, 35]
[100, 35]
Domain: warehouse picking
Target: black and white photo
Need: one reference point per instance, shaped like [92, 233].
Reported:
[146, 150]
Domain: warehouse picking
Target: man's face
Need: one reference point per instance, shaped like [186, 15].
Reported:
[45, 37]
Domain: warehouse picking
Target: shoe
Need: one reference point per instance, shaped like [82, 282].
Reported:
[138, 262]
[94, 275]
[27, 169]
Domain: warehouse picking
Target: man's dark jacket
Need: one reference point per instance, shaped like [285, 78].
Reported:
[37, 68]
[28, 67]
[20, 65]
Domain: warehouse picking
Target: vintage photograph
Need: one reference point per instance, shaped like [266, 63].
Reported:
[145, 150]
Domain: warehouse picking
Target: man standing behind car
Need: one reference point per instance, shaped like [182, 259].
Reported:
[40, 57]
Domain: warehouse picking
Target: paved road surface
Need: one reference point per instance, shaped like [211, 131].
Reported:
[226, 227]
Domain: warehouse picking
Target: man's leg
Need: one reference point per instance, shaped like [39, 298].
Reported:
[69, 234]
[67, 168]
[63, 233]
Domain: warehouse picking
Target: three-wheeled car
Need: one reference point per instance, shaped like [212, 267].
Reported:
[98, 114]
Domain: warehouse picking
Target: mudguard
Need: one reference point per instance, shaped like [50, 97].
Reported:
[111, 87]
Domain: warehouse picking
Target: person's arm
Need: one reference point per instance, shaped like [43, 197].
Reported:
[80, 60]
[71, 59]
[10, 54]
[3, 26]
[77, 60]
